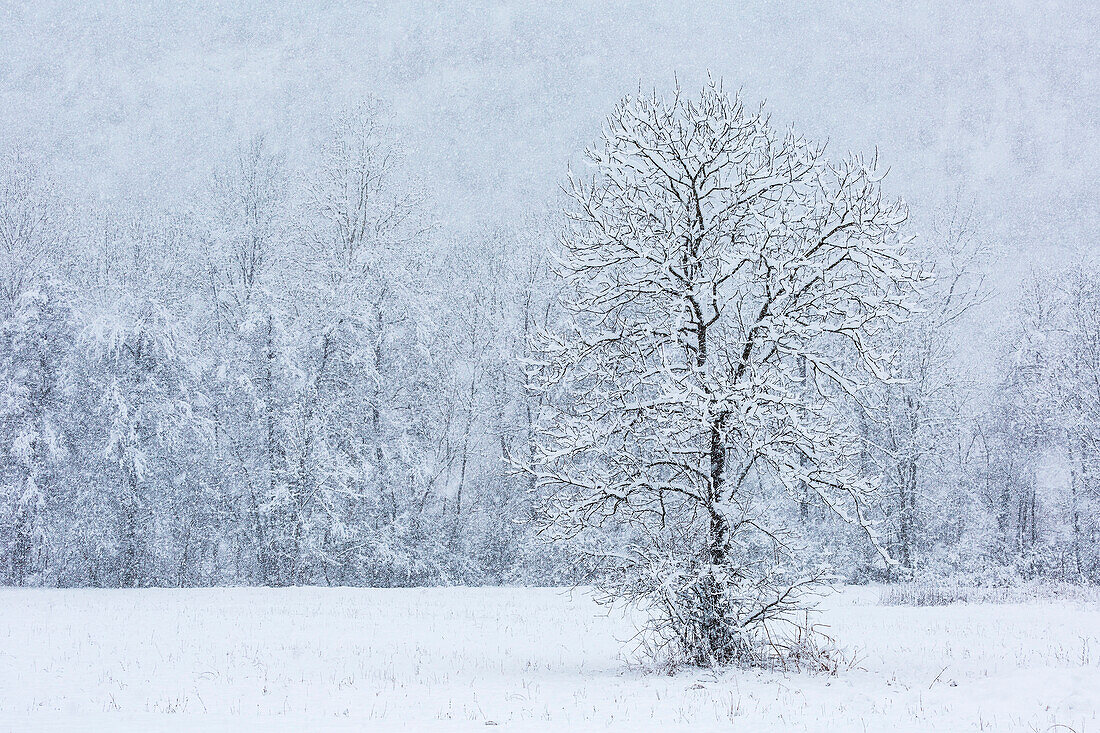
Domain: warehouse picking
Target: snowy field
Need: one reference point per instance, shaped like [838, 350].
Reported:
[522, 659]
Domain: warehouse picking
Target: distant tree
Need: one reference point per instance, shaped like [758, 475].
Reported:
[916, 423]
[1075, 389]
[144, 424]
[1046, 411]
[365, 423]
[490, 406]
[727, 290]
[245, 245]
[31, 219]
[36, 345]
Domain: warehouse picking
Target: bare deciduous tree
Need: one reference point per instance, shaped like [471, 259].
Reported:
[726, 289]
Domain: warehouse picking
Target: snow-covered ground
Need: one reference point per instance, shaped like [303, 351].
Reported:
[523, 659]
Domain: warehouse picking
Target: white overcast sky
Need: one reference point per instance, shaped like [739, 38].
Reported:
[991, 106]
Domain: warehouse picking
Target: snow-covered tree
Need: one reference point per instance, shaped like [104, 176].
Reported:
[367, 408]
[30, 227]
[727, 288]
[1075, 389]
[36, 345]
[143, 425]
[1045, 413]
[244, 244]
[916, 426]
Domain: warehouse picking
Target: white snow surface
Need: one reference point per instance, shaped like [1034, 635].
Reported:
[240, 659]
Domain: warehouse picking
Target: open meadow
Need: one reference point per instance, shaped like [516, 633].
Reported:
[517, 658]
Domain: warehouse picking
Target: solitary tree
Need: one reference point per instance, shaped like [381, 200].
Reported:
[725, 287]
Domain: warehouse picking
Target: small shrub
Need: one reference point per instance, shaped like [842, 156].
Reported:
[787, 645]
[944, 594]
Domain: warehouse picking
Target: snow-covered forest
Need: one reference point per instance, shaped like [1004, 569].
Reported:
[298, 377]
[294, 365]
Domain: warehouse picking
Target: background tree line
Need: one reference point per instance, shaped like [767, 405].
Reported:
[298, 376]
